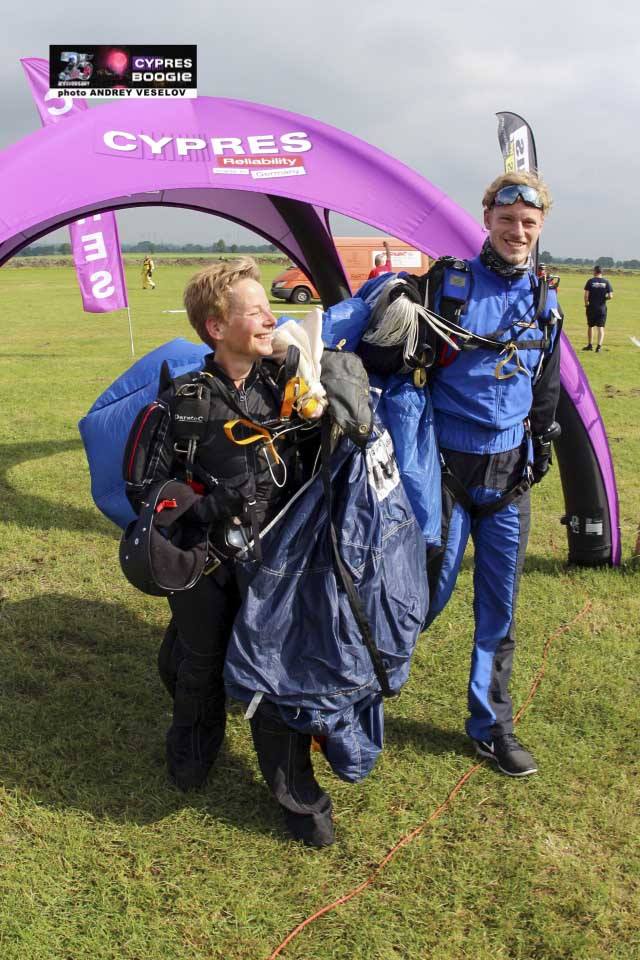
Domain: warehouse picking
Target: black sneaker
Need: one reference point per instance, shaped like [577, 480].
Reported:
[588, 347]
[598, 348]
[509, 754]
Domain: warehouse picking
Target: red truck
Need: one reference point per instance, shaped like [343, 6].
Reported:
[357, 255]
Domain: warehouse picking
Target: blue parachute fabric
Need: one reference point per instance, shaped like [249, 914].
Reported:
[354, 734]
[405, 410]
[371, 289]
[105, 428]
[346, 321]
[295, 638]
[407, 413]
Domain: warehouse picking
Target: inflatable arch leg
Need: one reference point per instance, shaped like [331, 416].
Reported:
[587, 516]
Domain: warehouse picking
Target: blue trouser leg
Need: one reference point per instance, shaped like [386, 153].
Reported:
[443, 563]
[500, 541]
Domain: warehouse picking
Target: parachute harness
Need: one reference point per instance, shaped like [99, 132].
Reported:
[405, 329]
[295, 400]
[398, 322]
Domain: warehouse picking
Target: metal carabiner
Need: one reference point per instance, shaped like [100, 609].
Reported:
[511, 351]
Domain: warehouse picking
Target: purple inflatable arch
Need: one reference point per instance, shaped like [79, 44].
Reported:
[280, 174]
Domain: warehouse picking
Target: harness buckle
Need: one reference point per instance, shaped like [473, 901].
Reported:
[420, 377]
[511, 351]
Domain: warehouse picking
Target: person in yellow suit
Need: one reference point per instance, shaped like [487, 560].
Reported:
[148, 266]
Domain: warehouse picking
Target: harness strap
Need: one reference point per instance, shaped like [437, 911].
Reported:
[475, 510]
[252, 510]
[343, 574]
[453, 303]
[474, 341]
[295, 391]
[478, 510]
[260, 435]
[189, 410]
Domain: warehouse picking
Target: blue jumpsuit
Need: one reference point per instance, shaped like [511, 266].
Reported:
[480, 427]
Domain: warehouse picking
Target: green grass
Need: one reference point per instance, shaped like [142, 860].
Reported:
[100, 859]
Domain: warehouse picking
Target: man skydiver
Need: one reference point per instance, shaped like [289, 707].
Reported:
[243, 488]
[488, 401]
[148, 266]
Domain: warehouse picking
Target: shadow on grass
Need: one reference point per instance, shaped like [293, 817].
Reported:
[83, 716]
[31, 510]
[400, 731]
[552, 565]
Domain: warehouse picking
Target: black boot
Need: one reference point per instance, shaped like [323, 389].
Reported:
[196, 734]
[285, 762]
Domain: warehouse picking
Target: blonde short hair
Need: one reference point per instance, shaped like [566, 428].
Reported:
[524, 177]
[207, 293]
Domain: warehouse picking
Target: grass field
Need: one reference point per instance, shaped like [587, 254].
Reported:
[100, 859]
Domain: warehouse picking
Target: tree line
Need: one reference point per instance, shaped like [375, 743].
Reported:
[146, 246]
[604, 262]
[220, 246]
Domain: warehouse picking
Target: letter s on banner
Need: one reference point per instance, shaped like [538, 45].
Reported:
[99, 281]
[111, 290]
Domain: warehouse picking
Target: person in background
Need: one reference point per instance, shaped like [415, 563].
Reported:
[597, 290]
[382, 264]
[148, 266]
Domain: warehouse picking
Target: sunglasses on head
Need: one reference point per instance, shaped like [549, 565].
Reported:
[518, 191]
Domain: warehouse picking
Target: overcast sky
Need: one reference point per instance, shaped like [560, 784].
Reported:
[419, 79]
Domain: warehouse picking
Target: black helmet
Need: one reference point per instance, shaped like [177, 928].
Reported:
[158, 555]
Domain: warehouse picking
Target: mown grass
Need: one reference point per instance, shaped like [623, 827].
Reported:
[100, 859]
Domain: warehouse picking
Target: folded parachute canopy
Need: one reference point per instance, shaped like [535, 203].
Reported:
[405, 410]
[105, 428]
[295, 639]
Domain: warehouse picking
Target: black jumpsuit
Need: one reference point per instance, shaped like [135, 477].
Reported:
[191, 657]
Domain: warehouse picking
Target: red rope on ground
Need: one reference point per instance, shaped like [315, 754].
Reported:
[537, 680]
[409, 837]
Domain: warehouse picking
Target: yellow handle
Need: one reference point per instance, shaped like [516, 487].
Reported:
[294, 399]
[260, 434]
